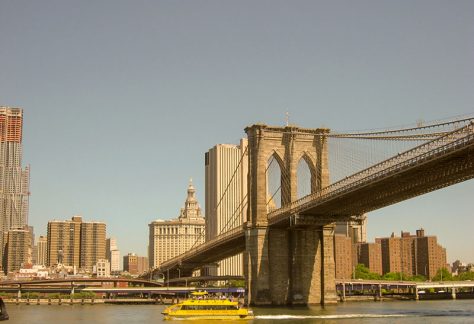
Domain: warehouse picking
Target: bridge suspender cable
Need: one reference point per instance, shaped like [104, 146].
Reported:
[202, 233]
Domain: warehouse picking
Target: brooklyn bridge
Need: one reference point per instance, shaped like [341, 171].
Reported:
[287, 231]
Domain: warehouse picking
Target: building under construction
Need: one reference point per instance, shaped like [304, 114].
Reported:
[14, 180]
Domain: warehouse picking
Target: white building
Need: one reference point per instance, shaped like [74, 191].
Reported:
[226, 170]
[170, 238]
[113, 255]
[102, 268]
[36, 272]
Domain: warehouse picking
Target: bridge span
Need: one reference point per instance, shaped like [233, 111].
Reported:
[288, 252]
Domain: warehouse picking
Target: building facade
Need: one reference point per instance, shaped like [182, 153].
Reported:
[169, 238]
[412, 254]
[75, 243]
[357, 231]
[41, 250]
[348, 236]
[113, 254]
[134, 264]
[391, 253]
[343, 256]
[102, 268]
[370, 255]
[17, 247]
[92, 244]
[407, 254]
[14, 180]
[64, 242]
[431, 256]
[226, 169]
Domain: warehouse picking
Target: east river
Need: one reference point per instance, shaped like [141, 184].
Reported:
[436, 311]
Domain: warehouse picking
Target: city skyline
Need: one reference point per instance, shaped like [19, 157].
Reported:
[121, 100]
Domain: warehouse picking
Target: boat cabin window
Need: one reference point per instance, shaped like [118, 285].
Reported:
[209, 307]
[175, 308]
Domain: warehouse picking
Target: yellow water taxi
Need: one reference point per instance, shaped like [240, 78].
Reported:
[200, 306]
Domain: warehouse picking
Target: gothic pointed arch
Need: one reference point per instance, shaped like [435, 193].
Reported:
[276, 185]
[308, 178]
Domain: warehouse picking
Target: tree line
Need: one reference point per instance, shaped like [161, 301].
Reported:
[362, 272]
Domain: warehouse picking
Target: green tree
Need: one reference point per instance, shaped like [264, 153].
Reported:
[418, 278]
[465, 276]
[32, 295]
[236, 283]
[84, 295]
[443, 275]
[396, 276]
[362, 272]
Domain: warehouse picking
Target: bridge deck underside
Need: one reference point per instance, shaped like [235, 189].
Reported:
[217, 252]
[402, 185]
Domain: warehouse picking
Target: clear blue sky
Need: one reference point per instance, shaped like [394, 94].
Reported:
[122, 98]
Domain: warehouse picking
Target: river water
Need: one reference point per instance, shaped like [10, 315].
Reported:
[436, 311]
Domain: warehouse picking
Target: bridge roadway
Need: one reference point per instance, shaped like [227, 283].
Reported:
[359, 284]
[130, 291]
[344, 286]
[140, 286]
[73, 281]
[415, 172]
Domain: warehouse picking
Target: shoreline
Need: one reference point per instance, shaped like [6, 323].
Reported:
[157, 301]
[446, 296]
[85, 301]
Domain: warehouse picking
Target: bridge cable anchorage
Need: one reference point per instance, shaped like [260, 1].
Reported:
[203, 231]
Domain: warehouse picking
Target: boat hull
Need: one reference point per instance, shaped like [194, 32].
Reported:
[209, 317]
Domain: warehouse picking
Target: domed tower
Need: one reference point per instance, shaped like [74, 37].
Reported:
[170, 238]
[191, 210]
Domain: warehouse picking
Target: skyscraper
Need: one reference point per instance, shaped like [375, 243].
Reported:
[14, 180]
[92, 244]
[170, 238]
[41, 250]
[226, 170]
[76, 243]
[112, 254]
[64, 242]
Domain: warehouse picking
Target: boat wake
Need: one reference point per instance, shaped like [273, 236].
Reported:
[340, 316]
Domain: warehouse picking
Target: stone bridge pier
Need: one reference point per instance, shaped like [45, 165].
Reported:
[290, 262]
[290, 266]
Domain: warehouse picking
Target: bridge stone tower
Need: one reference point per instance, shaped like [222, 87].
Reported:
[287, 262]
